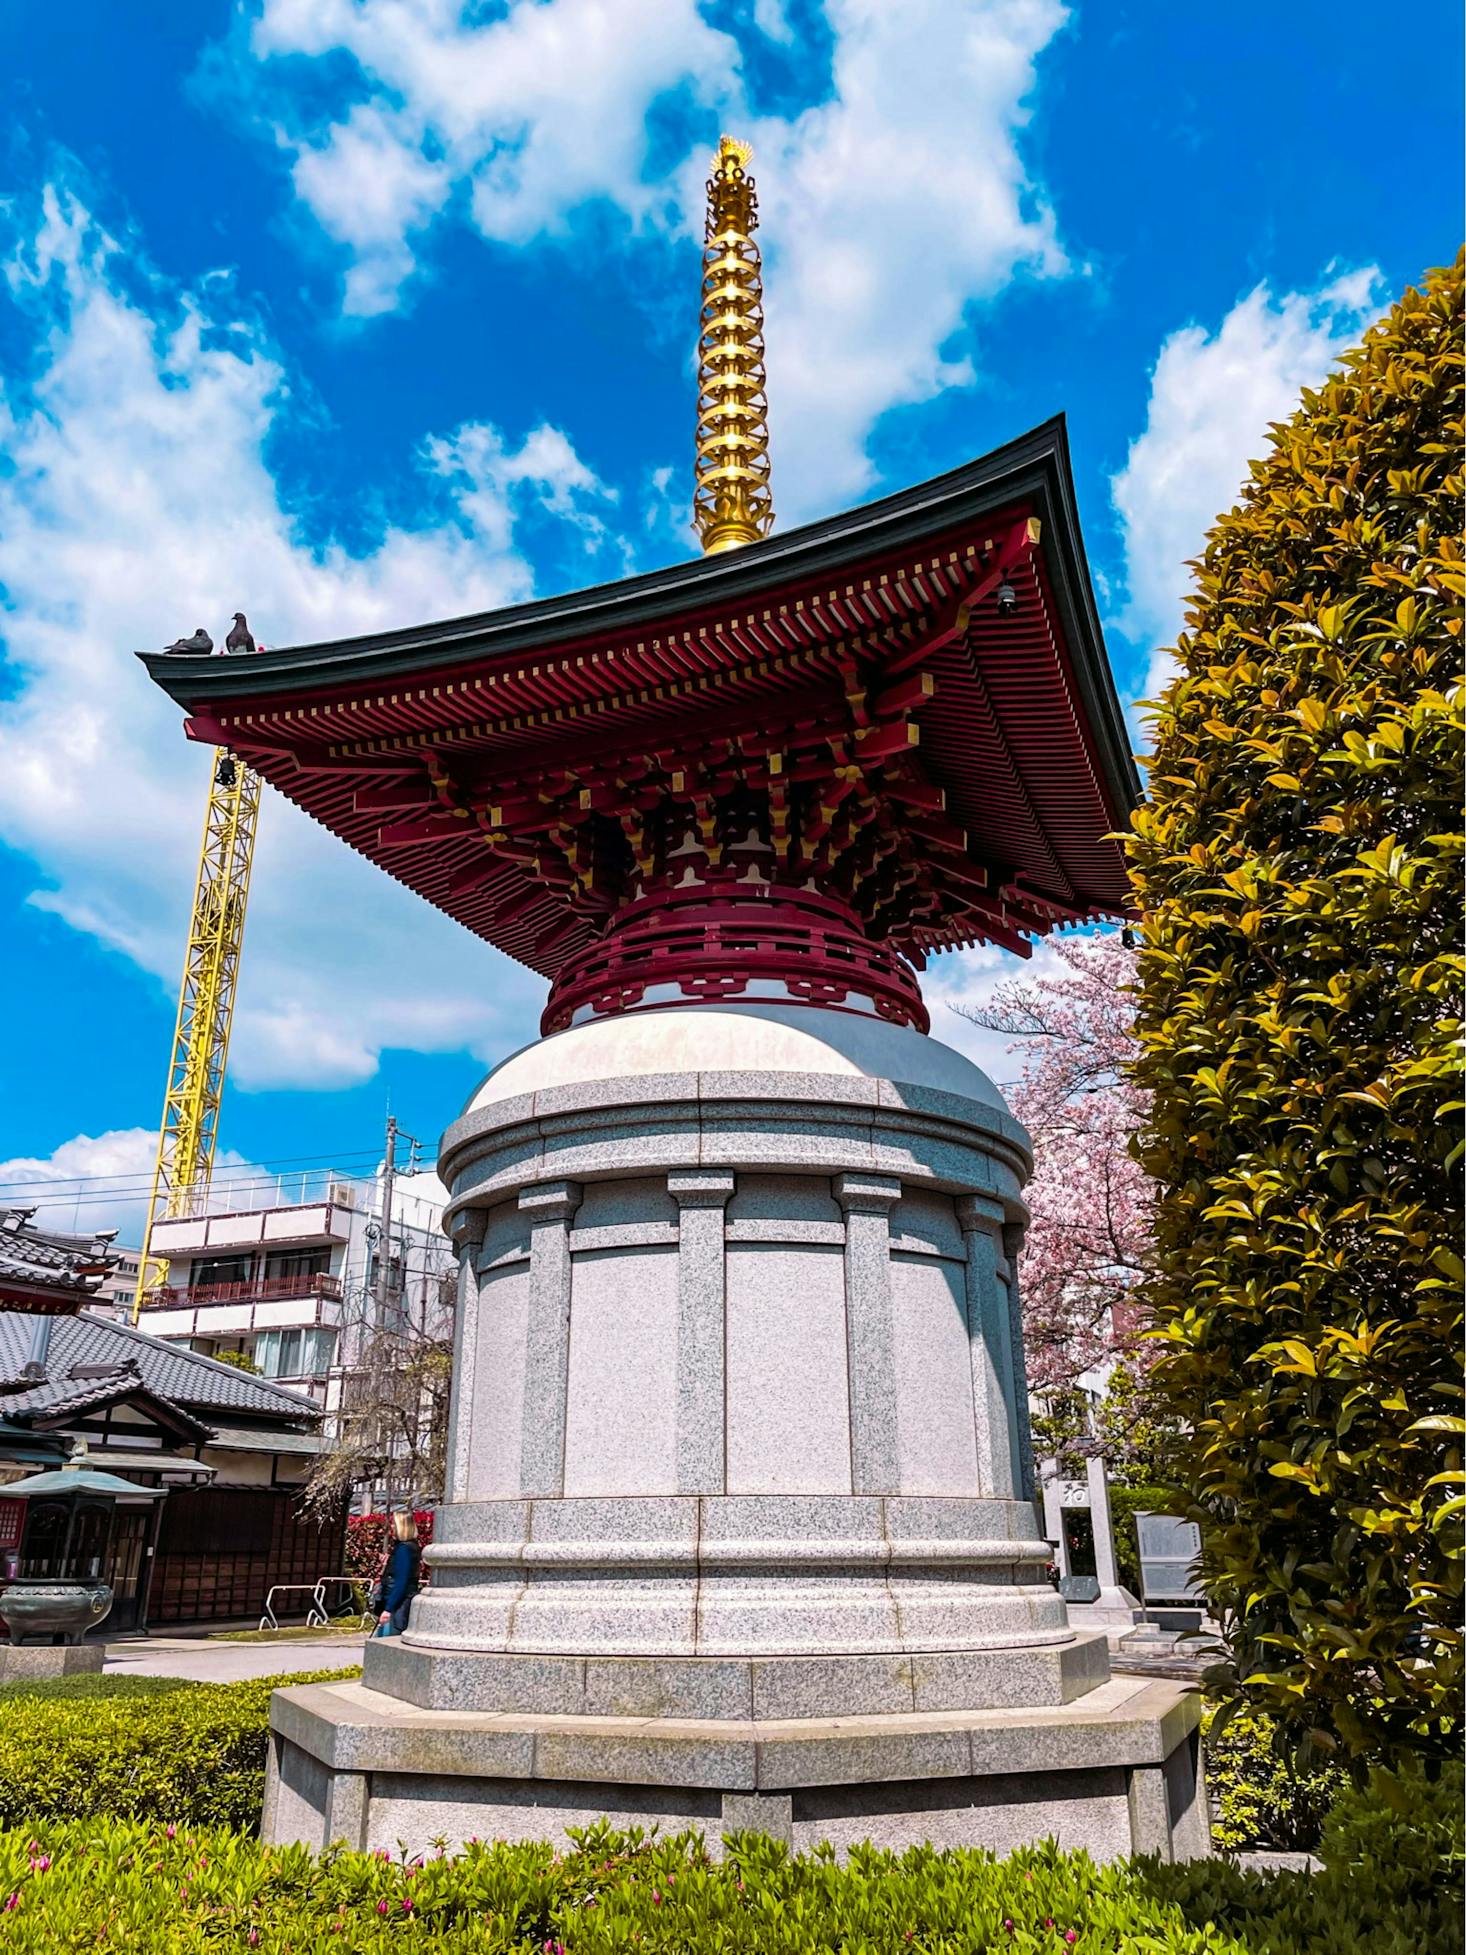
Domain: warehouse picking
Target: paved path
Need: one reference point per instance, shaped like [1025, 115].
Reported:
[207, 1661]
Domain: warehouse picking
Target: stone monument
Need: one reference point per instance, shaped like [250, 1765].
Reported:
[740, 1527]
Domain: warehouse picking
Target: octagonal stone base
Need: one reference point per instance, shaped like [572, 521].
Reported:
[739, 1528]
[1117, 1771]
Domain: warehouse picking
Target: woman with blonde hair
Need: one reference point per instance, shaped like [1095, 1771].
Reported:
[398, 1581]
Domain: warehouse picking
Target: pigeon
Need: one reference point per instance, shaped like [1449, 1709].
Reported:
[200, 642]
[240, 638]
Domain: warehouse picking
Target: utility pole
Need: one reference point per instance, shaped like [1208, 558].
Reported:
[384, 1246]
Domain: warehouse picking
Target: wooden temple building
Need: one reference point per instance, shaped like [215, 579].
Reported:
[799, 768]
[739, 1526]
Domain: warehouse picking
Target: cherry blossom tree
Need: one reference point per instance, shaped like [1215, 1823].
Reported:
[1089, 1240]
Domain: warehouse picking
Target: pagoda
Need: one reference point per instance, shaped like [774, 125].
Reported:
[739, 1526]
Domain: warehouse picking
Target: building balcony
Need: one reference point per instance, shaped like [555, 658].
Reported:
[258, 1289]
[236, 1309]
[181, 1236]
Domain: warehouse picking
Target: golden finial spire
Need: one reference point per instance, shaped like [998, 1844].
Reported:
[731, 504]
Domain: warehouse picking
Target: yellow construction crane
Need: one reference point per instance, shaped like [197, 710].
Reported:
[205, 1008]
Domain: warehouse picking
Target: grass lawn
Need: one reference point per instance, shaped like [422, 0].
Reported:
[294, 1633]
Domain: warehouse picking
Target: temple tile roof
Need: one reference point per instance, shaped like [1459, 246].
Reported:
[938, 652]
[114, 1355]
[43, 1271]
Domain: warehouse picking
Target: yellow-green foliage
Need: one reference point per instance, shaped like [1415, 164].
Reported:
[120, 1886]
[1298, 869]
[1262, 1794]
[194, 1754]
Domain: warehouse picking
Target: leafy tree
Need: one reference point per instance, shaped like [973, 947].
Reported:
[1298, 868]
[391, 1427]
[241, 1361]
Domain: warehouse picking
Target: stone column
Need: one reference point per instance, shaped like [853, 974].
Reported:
[990, 1330]
[1116, 1611]
[468, 1238]
[1012, 1243]
[1101, 1522]
[548, 1207]
[701, 1196]
[1053, 1510]
[867, 1200]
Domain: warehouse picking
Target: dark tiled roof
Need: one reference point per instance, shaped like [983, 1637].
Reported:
[38, 1260]
[182, 1378]
[61, 1397]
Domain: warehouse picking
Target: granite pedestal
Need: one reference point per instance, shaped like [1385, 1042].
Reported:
[33, 1662]
[740, 1527]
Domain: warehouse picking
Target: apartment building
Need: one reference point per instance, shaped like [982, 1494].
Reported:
[297, 1278]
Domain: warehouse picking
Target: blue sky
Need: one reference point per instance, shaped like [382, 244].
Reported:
[355, 312]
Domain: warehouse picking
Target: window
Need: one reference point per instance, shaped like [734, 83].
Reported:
[219, 1269]
[298, 1262]
[294, 1353]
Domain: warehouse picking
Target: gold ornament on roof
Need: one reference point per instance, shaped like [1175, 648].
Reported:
[732, 503]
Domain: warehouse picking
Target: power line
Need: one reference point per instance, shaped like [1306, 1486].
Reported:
[267, 1161]
[245, 1171]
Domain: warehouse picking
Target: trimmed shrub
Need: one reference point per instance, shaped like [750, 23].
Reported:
[1125, 1504]
[99, 1683]
[1402, 1832]
[192, 1756]
[1261, 1794]
[366, 1542]
[132, 1886]
[1297, 866]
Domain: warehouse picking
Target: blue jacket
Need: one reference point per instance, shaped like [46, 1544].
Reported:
[399, 1577]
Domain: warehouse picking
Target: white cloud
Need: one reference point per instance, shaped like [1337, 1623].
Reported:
[1213, 397]
[91, 1182]
[135, 503]
[536, 111]
[889, 208]
[887, 212]
[371, 187]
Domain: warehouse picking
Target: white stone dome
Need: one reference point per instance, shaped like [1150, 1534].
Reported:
[746, 1038]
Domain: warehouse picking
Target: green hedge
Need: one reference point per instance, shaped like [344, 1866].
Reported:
[94, 1683]
[1401, 1832]
[1125, 1504]
[133, 1886]
[79, 1749]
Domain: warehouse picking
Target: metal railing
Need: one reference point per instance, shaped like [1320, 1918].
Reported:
[255, 1289]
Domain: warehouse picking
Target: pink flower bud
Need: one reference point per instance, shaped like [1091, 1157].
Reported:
[381, 1907]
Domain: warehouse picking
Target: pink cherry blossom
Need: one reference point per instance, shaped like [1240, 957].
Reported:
[1089, 1239]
